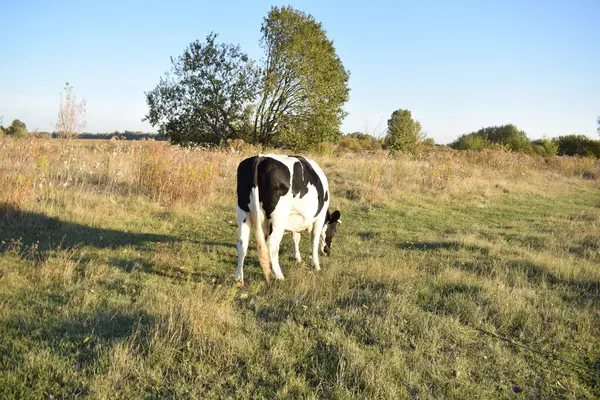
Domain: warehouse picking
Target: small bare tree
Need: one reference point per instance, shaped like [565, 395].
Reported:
[70, 114]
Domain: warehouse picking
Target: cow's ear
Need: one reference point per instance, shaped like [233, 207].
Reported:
[335, 217]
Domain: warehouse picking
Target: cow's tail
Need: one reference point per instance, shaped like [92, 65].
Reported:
[258, 218]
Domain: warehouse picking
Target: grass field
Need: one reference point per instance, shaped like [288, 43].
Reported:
[456, 275]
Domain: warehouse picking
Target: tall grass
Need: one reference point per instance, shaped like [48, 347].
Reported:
[41, 170]
[38, 169]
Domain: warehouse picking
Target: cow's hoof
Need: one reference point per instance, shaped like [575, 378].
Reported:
[279, 278]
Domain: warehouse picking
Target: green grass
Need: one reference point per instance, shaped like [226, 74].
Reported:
[121, 297]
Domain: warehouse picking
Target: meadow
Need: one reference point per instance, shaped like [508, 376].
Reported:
[455, 274]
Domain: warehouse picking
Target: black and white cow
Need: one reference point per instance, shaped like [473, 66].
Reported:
[277, 194]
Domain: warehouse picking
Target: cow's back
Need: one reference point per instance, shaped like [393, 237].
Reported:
[293, 185]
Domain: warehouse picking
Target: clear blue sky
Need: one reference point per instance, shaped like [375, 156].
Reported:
[457, 65]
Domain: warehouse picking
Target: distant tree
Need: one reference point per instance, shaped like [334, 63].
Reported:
[429, 142]
[207, 96]
[545, 147]
[578, 145]
[17, 129]
[359, 141]
[507, 136]
[304, 84]
[403, 133]
[360, 136]
[70, 114]
[471, 141]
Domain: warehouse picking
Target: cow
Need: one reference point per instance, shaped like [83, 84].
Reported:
[276, 194]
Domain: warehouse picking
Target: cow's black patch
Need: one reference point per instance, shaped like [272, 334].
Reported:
[304, 174]
[272, 178]
[326, 196]
[245, 175]
[273, 183]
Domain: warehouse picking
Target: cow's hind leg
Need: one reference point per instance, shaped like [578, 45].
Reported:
[273, 242]
[242, 245]
[296, 238]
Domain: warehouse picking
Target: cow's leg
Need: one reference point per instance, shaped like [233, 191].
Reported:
[296, 238]
[242, 245]
[315, 241]
[273, 242]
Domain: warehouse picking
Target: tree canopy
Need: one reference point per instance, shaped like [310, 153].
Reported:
[404, 133]
[304, 84]
[506, 135]
[578, 145]
[206, 97]
[17, 129]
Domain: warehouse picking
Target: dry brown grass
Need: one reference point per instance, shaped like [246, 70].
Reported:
[41, 169]
[38, 169]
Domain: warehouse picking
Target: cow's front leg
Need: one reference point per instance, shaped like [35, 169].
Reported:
[273, 242]
[315, 241]
[296, 238]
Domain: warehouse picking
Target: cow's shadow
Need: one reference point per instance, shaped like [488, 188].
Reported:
[20, 231]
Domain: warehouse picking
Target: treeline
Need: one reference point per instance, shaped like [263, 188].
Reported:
[403, 134]
[18, 129]
[509, 137]
[125, 135]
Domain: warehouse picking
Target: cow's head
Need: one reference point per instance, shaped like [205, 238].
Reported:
[331, 222]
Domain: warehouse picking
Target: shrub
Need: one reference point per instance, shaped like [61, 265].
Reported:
[429, 142]
[508, 136]
[546, 148]
[578, 145]
[17, 129]
[358, 142]
[471, 141]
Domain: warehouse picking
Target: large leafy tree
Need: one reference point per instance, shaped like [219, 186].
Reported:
[207, 96]
[404, 133]
[304, 84]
